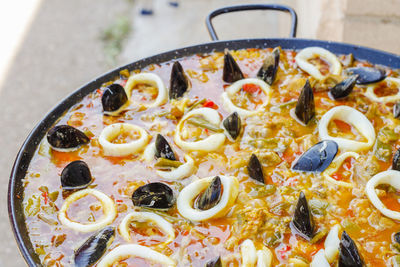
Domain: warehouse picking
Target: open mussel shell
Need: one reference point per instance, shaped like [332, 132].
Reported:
[233, 125]
[76, 175]
[154, 195]
[231, 72]
[254, 168]
[211, 196]
[344, 88]
[94, 247]
[367, 75]
[305, 107]
[268, 70]
[303, 220]
[317, 158]
[66, 137]
[114, 97]
[163, 149]
[348, 253]
[396, 110]
[214, 262]
[179, 83]
[396, 161]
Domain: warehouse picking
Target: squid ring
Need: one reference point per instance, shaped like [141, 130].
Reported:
[165, 226]
[133, 250]
[332, 243]
[211, 143]
[190, 192]
[113, 130]
[384, 99]
[183, 171]
[390, 177]
[335, 165]
[109, 209]
[264, 257]
[307, 53]
[249, 253]
[351, 116]
[235, 87]
[151, 79]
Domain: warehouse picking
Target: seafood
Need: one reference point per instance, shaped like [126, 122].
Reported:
[388, 82]
[66, 138]
[214, 262]
[114, 99]
[305, 107]
[348, 253]
[232, 125]
[303, 220]
[211, 196]
[231, 72]
[344, 88]
[163, 149]
[254, 168]
[335, 165]
[367, 75]
[76, 175]
[270, 66]
[396, 160]
[154, 195]
[179, 83]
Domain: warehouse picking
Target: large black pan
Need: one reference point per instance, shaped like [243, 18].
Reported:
[15, 189]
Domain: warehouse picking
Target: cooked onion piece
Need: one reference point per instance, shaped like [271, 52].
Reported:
[150, 79]
[236, 87]
[113, 130]
[335, 165]
[211, 143]
[332, 243]
[126, 251]
[190, 192]
[264, 257]
[109, 210]
[353, 117]
[183, 171]
[370, 93]
[390, 177]
[157, 220]
[249, 253]
[311, 52]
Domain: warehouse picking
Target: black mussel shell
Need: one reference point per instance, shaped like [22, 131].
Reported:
[214, 262]
[396, 110]
[255, 170]
[231, 72]
[211, 196]
[305, 107]
[348, 253]
[396, 160]
[154, 195]
[65, 136]
[269, 68]
[344, 88]
[317, 158]
[396, 237]
[114, 97]
[179, 83]
[76, 175]
[163, 149]
[233, 125]
[367, 74]
[94, 247]
[303, 220]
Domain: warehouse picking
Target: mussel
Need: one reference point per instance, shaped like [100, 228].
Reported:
[94, 247]
[396, 110]
[317, 158]
[305, 107]
[66, 137]
[154, 195]
[231, 72]
[114, 97]
[76, 175]
[303, 220]
[367, 75]
[163, 149]
[214, 262]
[344, 88]
[179, 83]
[396, 238]
[211, 196]
[269, 68]
[396, 160]
[348, 253]
[233, 125]
[255, 170]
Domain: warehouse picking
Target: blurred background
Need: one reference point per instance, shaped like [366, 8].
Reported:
[50, 48]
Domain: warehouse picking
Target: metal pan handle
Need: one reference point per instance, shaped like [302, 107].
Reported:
[230, 9]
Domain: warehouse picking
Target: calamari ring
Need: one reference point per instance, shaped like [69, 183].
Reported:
[390, 177]
[190, 192]
[113, 130]
[384, 99]
[235, 87]
[211, 143]
[264, 257]
[248, 253]
[109, 210]
[133, 250]
[307, 53]
[151, 79]
[332, 243]
[335, 165]
[319, 259]
[351, 116]
[183, 171]
[165, 226]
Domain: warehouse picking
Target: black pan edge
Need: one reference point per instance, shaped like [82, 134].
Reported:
[15, 188]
